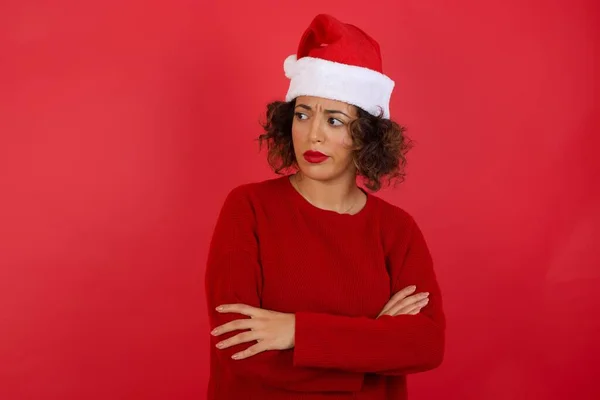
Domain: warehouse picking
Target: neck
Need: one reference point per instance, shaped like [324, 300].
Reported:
[340, 194]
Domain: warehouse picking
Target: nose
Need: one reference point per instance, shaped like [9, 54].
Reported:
[316, 133]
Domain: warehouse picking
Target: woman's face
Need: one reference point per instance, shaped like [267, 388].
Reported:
[321, 137]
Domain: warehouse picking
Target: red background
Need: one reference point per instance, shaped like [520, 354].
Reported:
[123, 124]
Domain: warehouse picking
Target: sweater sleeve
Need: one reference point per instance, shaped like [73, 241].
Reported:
[233, 275]
[388, 345]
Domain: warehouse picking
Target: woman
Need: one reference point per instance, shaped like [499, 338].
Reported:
[315, 287]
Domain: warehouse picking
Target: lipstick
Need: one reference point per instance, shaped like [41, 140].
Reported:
[315, 157]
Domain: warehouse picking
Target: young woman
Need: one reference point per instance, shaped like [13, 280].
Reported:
[316, 288]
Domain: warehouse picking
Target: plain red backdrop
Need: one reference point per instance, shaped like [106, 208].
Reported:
[123, 124]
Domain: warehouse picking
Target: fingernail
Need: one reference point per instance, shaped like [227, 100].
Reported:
[214, 331]
[220, 345]
[412, 287]
[425, 294]
[235, 356]
[220, 308]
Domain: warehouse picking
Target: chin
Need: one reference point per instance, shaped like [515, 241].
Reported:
[321, 172]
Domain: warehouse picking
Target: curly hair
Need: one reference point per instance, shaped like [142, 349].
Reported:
[380, 145]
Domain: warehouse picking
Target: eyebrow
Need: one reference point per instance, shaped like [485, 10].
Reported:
[327, 111]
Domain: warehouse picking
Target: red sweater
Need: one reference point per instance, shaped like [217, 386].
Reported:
[274, 250]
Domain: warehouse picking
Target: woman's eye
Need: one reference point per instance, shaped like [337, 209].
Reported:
[301, 116]
[335, 122]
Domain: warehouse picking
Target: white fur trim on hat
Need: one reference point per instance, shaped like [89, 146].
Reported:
[362, 87]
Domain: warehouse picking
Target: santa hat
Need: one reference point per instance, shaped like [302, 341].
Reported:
[339, 61]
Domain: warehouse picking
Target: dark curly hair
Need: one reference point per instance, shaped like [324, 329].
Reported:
[380, 145]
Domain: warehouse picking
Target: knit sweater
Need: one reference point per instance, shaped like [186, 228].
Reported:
[274, 250]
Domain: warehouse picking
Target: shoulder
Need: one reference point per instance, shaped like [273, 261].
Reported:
[398, 227]
[243, 202]
[391, 215]
[258, 191]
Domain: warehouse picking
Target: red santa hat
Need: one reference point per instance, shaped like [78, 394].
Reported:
[339, 61]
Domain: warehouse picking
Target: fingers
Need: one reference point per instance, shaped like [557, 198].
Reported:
[250, 351]
[409, 301]
[241, 309]
[243, 337]
[412, 309]
[406, 304]
[407, 291]
[419, 300]
[417, 306]
[236, 325]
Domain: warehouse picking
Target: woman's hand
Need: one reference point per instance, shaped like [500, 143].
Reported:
[272, 330]
[405, 302]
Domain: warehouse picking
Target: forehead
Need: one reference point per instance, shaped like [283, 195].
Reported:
[320, 103]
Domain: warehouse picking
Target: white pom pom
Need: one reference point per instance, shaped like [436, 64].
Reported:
[288, 66]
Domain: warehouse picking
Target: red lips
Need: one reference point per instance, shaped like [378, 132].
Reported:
[315, 157]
